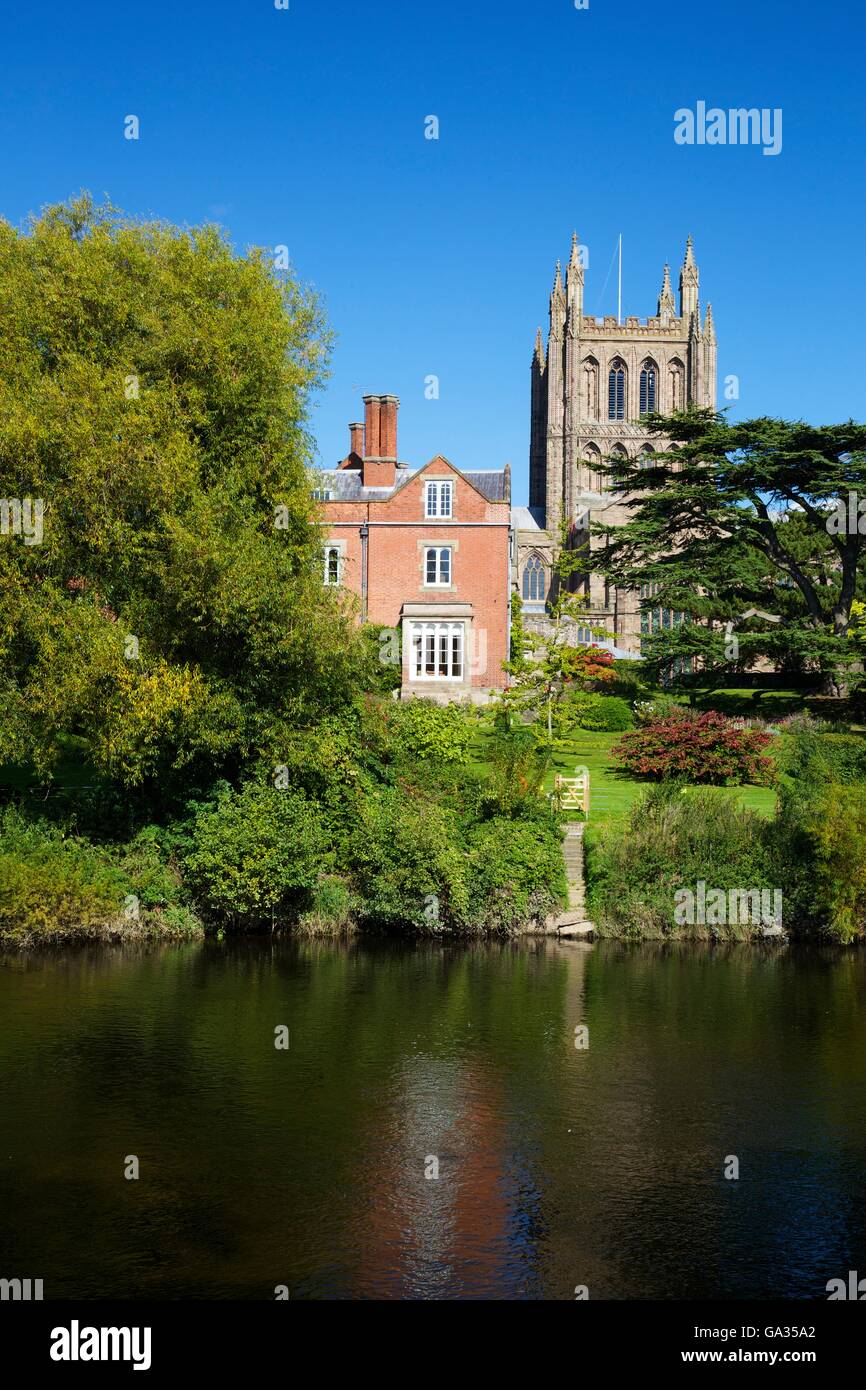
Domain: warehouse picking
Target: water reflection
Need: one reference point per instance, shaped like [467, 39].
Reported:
[315, 1167]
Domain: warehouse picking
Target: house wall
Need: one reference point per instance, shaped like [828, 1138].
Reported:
[478, 595]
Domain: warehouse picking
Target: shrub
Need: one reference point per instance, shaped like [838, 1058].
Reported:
[516, 873]
[593, 665]
[674, 839]
[819, 842]
[150, 876]
[256, 853]
[815, 759]
[609, 715]
[518, 764]
[802, 722]
[427, 731]
[330, 909]
[628, 680]
[707, 748]
[659, 707]
[409, 868]
[839, 830]
[52, 882]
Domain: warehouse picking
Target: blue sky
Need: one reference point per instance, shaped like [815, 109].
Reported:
[305, 127]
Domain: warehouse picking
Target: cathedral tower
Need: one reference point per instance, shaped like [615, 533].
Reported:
[591, 389]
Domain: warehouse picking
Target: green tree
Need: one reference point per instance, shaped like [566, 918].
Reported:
[733, 525]
[154, 393]
[546, 669]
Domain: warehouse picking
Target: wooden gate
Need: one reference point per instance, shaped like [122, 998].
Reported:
[572, 793]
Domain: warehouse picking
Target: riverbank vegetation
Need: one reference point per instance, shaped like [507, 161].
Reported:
[198, 734]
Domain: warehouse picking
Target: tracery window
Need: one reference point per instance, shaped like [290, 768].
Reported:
[616, 391]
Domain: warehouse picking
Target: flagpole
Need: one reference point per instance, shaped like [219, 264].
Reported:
[619, 288]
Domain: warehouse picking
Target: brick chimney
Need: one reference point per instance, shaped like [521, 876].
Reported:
[356, 439]
[380, 453]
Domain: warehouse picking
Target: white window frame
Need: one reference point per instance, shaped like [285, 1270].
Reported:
[437, 651]
[329, 550]
[439, 498]
[443, 573]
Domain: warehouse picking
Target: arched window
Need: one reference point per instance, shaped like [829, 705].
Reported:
[645, 457]
[616, 390]
[534, 580]
[590, 389]
[648, 387]
[676, 382]
[592, 461]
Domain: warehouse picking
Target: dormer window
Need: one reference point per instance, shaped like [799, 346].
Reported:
[438, 499]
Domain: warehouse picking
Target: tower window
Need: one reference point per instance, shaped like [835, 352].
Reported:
[616, 392]
[534, 580]
[648, 384]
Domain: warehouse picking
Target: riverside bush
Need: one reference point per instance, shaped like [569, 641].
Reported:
[818, 841]
[52, 882]
[407, 864]
[674, 838]
[517, 873]
[255, 854]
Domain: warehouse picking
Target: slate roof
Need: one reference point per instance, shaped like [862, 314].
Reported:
[527, 518]
[345, 484]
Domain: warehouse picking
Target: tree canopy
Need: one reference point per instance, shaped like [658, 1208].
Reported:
[154, 396]
[735, 525]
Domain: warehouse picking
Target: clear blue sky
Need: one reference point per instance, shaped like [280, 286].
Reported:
[305, 127]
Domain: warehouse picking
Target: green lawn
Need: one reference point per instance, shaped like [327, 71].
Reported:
[612, 793]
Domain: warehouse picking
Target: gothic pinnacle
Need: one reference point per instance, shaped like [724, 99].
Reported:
[709, 325]
[690, 258]
[575, 253]
[539, 348]
[666, 298]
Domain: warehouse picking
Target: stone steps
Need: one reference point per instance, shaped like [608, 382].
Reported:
[573, 922]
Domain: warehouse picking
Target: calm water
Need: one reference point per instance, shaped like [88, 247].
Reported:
[557, 1167]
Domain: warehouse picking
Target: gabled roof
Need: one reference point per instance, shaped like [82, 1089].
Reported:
[346, 485]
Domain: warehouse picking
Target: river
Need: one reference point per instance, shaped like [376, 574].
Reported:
[432, 1130]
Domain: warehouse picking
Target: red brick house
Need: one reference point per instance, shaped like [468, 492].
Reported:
[428, 551]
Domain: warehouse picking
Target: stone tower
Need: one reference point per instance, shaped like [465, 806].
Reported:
[590, 390]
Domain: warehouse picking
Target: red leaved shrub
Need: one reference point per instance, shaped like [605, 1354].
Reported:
[704, 748]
